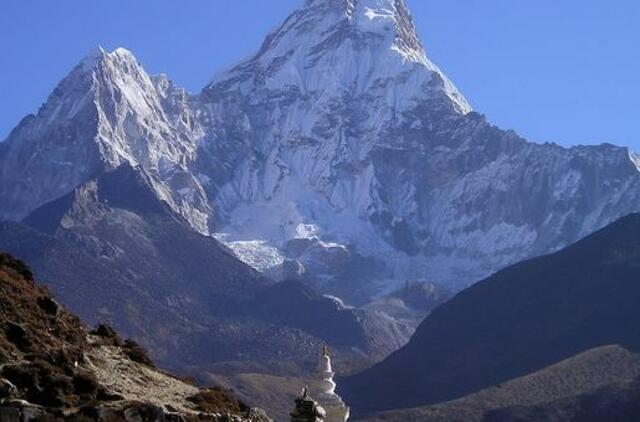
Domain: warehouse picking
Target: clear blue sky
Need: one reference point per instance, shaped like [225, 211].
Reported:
[553, 70]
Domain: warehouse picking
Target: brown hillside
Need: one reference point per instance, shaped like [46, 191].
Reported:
[53, 368]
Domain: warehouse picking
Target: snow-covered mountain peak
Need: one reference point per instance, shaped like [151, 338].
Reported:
[388, 18]
[338, 145]
[328, 48]
[100, 58]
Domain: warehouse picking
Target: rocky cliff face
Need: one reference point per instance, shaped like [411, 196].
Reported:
[338, 148]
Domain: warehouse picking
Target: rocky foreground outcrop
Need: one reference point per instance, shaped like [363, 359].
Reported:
[53, 368]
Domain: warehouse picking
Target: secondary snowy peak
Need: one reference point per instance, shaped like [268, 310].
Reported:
[146, 121]
[135, 127]
[332, 47]
[107, 112]
[98, 94]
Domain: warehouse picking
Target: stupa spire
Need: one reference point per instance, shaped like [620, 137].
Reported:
[324, 387]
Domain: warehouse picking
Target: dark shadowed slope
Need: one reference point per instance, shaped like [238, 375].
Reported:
[560, 393]
[53, 368]
[521, 319]
[619, 402]
[114, 252]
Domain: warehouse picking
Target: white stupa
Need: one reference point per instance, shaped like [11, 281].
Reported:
[323, 390]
